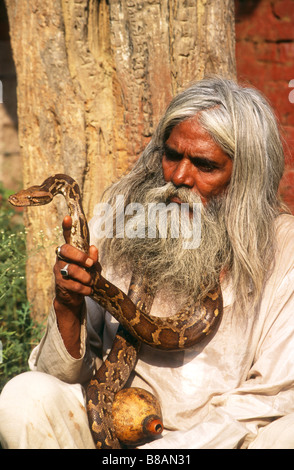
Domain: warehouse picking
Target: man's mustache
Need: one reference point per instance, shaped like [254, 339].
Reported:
[169, 191]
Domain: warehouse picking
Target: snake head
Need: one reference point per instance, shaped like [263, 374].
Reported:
[30, 197]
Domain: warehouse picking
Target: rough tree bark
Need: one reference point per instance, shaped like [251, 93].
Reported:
[93, 78]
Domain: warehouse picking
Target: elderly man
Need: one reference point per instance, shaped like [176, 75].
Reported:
[217, 145]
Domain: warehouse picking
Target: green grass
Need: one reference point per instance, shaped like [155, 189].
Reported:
[18, 331]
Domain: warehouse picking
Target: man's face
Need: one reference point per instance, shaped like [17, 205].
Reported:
[195, 169]
[193, 160]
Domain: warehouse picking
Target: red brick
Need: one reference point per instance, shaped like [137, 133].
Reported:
[286, 51]
[267, 20]
[275, 52]
[284, 9]
[265, 59]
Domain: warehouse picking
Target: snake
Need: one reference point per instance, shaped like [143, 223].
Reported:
[179, 331]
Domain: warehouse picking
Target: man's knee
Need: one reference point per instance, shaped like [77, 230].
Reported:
[35, 411]
[277, 435]
[26, 389]
[28, 382]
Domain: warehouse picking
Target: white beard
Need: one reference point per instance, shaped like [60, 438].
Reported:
[186, 271]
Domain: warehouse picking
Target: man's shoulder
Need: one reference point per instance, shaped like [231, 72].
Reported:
[284, 225]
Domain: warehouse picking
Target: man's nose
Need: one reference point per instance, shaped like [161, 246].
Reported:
[182, 175]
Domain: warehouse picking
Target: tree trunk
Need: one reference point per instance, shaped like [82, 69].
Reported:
[94, 77]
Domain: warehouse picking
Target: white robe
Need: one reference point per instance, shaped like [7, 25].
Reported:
[223, 392]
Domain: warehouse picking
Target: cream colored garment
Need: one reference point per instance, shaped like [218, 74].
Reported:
[38, 411]
[217, 394]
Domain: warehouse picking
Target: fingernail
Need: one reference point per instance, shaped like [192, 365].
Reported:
[89, 262]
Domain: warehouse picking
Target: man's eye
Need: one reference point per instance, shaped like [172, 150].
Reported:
[204, 164]
[173, 156]
[206, 168]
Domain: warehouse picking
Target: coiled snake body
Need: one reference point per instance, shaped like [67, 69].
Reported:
[179, 331]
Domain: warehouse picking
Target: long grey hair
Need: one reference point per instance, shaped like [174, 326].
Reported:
[242, 123]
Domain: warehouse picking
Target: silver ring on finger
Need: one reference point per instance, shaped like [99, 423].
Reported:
[64, 271]
[58, 253]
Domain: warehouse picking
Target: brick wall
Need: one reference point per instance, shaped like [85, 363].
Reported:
[265, 59]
